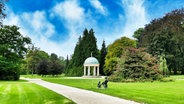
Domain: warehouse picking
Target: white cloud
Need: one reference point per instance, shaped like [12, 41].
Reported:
[69, 10]
[135, 16]
[98, 6]
[39, 24]
[72, 17]
[38, 28]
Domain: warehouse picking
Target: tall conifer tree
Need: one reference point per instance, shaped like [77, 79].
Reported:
[83, 49]
[67, 62]
[103, 53]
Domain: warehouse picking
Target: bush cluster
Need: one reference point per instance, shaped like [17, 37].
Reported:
[75, 71]
[9, 70]
[136, 65]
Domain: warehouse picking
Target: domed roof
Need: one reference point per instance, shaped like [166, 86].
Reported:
[91, 61]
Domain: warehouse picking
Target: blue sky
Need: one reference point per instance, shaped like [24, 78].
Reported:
[55, 25]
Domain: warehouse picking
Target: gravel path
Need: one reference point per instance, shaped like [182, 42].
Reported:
[81, 96]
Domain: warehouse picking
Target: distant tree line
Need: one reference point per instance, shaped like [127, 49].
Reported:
[39, 62]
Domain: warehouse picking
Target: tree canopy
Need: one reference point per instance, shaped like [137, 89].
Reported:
[12, 49]
[41, 63]
[165, 37]
[115, 50]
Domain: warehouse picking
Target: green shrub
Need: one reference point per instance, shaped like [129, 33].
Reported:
[116, 77]
[166, 80]
[136, 65]
[128, 80]
[8, 70]
[75, 71]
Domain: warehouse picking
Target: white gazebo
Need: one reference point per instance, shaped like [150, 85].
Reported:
[89, 63]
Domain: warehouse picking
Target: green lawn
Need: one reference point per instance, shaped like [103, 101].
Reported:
[22, 92]
[147, 92]
[38, 76]
[177, 76]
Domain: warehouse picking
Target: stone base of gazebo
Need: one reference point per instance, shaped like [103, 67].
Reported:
[91, 76]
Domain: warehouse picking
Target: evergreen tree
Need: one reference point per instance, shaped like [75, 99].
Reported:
[91, 45]
[85, 45]
[103, 53]
[137, 65]
[67, 62]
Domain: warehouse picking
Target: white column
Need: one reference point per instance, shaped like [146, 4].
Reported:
[98, 71]
[88, 70]
[94, 71]
[84, 70]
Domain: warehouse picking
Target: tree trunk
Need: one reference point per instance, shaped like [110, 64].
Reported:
[182, 71]
[175, 71]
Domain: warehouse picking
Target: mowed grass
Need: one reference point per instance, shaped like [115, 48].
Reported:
[22, 92]
[177, 77]
[39, 76]
[144, 92]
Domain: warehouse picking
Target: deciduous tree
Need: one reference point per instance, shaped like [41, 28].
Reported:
[165, 36]
[12, 50]
[115, 50]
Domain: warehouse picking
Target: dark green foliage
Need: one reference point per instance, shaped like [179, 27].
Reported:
[12, 50]
[33, 58]
[137, 34]
[136, 65]
[41, 63]
[12, 43]
[8, 70]
[75, 71]
[165, 36]
[84, 47]
[115, 51]
[2, 9]
[42, 67]
[56, 67]
[103, 53]
[53, 57]
[67, 62]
